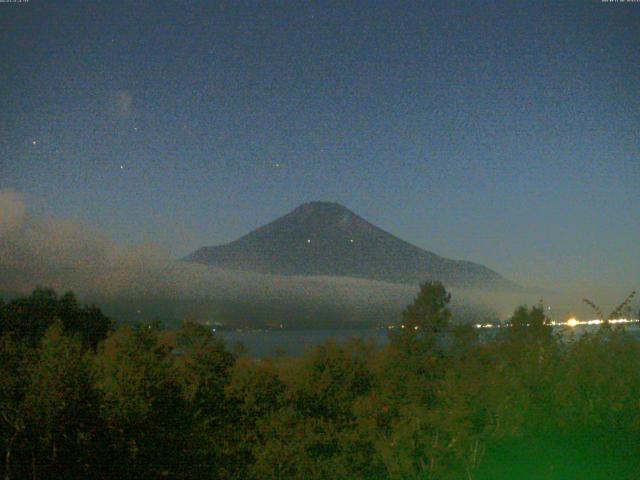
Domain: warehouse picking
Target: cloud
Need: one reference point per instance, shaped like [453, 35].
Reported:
[12, 210]
[70, 256]
[59, 253]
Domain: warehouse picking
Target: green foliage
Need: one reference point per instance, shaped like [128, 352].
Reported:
[414, 360]
[428, 312]
[28, 318]
[50, 408]
[143, 404]
[437, 402]
[623, 309]
[60, 406]
[314, 433]
[530, 325]
[254, 393]
[204, 368]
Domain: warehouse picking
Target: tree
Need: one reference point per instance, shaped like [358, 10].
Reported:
[254, 394]
[428, 315]
[60, 409]
[88, 321]
[622, 309]
[314, 434]
[143, 406]
[28, 318]
[416, 353]
[205, 368]
[530, 325]
[14, 357]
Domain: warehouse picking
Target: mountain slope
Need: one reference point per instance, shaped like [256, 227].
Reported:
[322, 238]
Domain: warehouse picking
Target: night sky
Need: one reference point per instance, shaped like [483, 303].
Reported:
[500, 133]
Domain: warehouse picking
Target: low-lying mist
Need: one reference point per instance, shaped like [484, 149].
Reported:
[144, 283]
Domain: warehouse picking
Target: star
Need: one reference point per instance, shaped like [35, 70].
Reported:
[35, 142]
[121, 167]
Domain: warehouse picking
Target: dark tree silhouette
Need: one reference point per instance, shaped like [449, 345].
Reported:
[26, 319]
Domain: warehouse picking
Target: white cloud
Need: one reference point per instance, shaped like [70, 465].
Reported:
[68, 256]
[12, 210]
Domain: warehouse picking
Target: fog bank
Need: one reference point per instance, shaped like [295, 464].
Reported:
[68, 256]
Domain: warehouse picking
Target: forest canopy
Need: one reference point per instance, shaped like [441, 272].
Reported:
[83, 397]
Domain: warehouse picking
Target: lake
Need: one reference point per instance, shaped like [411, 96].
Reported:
[265, 343]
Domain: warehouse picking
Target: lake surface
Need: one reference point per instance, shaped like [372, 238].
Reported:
[261, 343]
[296, 342]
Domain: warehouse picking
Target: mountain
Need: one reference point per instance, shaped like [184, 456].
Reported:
[323, 238]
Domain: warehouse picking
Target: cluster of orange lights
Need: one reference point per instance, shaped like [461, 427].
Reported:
[571, 322]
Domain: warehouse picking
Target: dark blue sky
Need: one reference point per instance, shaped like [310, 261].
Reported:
[507, 134]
